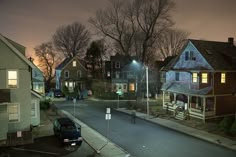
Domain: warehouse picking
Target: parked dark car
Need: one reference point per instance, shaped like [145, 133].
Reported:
[58, 93]
[67, 132]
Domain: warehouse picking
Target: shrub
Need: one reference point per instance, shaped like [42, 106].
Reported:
[233, 128]
[45, 104]
[226, 123]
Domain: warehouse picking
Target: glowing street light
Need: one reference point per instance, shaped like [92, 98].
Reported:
[147, 102]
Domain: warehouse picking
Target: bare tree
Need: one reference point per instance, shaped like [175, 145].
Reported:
[48, 59]
[171, 42]
[134, 25]
[71, 39]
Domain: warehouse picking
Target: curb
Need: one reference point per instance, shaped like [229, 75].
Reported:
[98, 151]
[216, 142]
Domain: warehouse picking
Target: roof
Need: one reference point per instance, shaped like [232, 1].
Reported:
[15, 50]
[184, 88]
[66, 61]
[169, 63]
[220, 55]
[125, 58]
[63, 63]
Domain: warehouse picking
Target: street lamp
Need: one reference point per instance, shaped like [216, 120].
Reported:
[147, 91]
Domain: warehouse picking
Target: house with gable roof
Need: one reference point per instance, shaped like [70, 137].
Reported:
[201, 81]
[19, 104]
[71, 73]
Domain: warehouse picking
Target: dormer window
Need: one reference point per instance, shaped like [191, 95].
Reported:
[204, 78]
[223, 78]
[74, 63]
[66, 74]
[186, 55]
[189, 55]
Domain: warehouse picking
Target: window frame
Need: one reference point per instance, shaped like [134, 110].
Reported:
[194, 78]
[74, 63]
[108, 74]
[117, 75]
[203, 79]
[18, 112]
[223, 77]
[117, 64]
[177, 76]
[79, 73]
[130, 84]
[186, 55]
[34, 102]
[17, 79]
[66, 71]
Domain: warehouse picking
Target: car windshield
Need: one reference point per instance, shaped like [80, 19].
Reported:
[68, 128]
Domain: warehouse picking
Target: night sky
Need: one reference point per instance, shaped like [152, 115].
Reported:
[31, 22]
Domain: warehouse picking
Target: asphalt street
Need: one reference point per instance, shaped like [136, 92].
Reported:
[143, 138]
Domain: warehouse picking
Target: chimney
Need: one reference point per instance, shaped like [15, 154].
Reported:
[231, 41]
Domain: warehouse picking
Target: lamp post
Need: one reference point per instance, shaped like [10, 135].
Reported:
[147, 91]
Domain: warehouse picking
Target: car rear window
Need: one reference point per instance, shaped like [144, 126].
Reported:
[68, 128]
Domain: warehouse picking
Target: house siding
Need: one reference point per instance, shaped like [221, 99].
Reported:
[198, 63]
[73, 71]
[3, 121]
[225, 105]
[225, 88]
[35, 121]
[20, 95]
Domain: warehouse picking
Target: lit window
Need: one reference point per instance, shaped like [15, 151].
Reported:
[33, 108]
[223, 78]
[74, 63]
[108, 74]
[204, 78]
[70, 84]
[12, 77]
[131, 87]
[13, 112]
[66, 74]
[66, 84]
[194, 77]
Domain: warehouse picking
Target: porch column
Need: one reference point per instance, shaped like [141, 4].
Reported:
[188, 106]
[163, 98]
[204, 108]
[174, 97]
[214, 105]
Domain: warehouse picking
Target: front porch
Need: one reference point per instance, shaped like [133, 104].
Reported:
[188, 106]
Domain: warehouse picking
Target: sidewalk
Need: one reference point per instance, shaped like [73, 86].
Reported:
[215, 139]
[97, 141]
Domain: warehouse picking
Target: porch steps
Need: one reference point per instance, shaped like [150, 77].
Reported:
[180, 115]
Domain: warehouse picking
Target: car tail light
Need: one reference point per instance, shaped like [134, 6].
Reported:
[66, 140]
